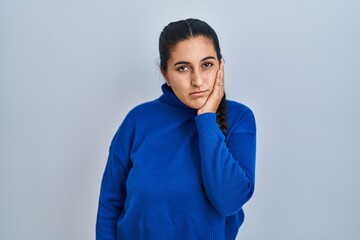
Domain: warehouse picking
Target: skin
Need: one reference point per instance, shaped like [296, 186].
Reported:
[196, 75]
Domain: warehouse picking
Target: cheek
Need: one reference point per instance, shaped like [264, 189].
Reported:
[180, 81]
[210, 77]
[179, 84]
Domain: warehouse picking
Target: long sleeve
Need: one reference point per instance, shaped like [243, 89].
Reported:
[228, 168]
[113, 193]
[172, 174]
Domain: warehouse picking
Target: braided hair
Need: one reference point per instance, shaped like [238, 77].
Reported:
[176, 32]
[221, 118]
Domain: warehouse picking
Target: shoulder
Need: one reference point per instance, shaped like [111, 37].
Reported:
[240, 117]
[136, 117]
[138, 113]
[142, 110]
[238, 108]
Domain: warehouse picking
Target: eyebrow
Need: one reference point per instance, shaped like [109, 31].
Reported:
[204, 59]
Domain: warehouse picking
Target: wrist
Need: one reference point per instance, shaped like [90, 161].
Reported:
[199, 112]
[202, 111]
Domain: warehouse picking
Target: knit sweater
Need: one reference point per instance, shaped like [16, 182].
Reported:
[171, 174]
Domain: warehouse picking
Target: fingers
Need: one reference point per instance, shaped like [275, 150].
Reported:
[221, 73]
[220, 78]
[214, 99]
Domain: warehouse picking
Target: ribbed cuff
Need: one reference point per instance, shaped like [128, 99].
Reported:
[207, 126]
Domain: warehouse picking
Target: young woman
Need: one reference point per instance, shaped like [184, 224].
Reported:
[182, 166]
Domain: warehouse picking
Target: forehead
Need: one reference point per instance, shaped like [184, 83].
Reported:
[193, 49]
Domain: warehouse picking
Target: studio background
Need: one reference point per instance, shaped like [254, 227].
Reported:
[71, 70]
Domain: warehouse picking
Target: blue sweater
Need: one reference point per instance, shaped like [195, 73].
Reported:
[171, 174]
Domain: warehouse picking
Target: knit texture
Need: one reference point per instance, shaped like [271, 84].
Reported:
[171, 174]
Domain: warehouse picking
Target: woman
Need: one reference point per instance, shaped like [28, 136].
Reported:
[181, 166]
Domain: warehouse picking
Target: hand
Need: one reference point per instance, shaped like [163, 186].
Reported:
[214, 99]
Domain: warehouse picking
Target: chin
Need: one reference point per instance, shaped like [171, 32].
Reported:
[197, 105]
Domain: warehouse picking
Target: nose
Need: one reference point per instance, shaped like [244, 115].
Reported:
[196, 79]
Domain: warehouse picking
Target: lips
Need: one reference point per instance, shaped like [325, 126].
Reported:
[198, 93]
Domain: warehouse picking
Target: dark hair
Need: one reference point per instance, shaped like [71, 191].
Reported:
[176, 32]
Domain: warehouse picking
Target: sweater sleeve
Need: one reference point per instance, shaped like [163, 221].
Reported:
[113, 193]
[228, 169]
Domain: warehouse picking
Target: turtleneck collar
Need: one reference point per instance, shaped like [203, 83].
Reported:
[169, 97]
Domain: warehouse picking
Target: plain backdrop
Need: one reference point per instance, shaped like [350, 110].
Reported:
[71, 70]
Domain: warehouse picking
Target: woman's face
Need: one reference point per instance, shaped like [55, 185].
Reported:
[192, 69]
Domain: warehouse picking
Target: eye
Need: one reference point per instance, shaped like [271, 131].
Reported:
[183, 68]
[208, 65]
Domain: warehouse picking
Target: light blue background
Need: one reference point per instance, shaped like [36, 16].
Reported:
[71, 70]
